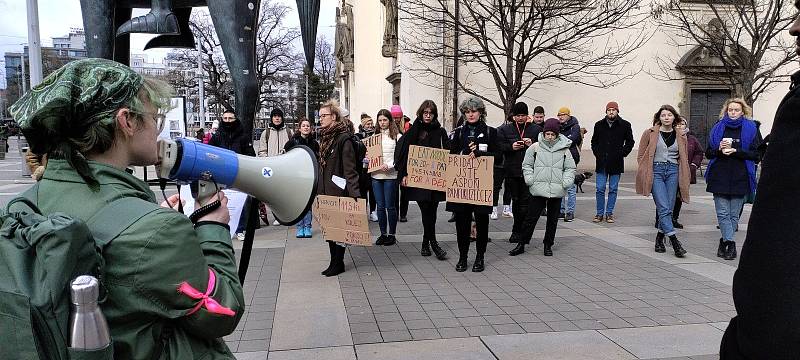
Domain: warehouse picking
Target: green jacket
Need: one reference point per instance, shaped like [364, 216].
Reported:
[549, 170]
[147, 262]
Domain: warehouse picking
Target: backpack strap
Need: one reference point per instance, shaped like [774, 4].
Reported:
[117, 217]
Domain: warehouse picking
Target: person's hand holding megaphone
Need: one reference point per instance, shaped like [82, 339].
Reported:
[220, 214]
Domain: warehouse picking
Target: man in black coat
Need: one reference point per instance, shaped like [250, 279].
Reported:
[513, 139]
[612, 141]
[766, 286]
[231, 135]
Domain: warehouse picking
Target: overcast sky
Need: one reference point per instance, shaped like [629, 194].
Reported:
[56, 17]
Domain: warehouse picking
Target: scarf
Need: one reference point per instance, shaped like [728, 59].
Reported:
[749, 130]
[328, 134]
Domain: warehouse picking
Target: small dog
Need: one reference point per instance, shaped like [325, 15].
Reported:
[580, 178]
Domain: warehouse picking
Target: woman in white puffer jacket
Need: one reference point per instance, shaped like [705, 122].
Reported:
[549, 170]
[384, 180]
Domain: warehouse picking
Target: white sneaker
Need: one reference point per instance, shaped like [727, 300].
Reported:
[240, 236]
[373, 217]
[507, 211]
[493, 216]
[276, 223]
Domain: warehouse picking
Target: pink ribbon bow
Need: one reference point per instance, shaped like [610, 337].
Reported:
[210, 304]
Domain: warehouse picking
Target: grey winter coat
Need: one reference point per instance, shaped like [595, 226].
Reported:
[549, 170]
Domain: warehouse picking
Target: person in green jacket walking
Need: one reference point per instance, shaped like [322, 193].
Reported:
[549, 170]
[172, 287]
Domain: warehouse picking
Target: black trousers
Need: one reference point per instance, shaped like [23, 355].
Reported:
[499, 177]
[402, 201]
[463, 228]
[535, 207]
[428, 211]
[521, 198]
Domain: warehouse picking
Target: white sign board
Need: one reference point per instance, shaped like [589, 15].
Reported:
[236, 201]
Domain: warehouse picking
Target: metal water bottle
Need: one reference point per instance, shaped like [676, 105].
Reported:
[88, 326]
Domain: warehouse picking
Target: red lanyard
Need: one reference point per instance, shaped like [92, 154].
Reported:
[523, 129]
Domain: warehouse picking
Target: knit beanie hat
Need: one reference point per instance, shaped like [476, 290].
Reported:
[538, 110]
[520, 108]
[612, 105]
[396, 111]
[552, 124]
[564, 110]
[276, 112]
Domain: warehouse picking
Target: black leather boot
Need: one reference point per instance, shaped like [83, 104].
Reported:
[660, 248]
[441, 254]
[332, 251]
[514, 238]
[721, 248]
[426, 248]
[461, 266]
[478, 265]
[337, 267]
[390, 240]
[730, 250]
[676, 246]
[548, 250]
[517, 250]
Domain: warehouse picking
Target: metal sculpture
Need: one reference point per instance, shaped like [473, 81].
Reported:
[309, 17]
[108, 25]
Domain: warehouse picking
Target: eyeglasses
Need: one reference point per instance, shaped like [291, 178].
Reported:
[323, 115]
[160, 119]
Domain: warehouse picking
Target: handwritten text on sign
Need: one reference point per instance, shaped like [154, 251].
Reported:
[374, 152]
[427, 168]
[469, 181]
[343, 219]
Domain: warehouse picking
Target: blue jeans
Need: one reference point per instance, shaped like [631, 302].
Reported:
[568, 202]
[386, 195]
[728, 210]
[600, 195]
[305, 222]
[665, 186]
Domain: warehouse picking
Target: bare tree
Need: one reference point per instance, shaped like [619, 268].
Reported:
[523, 43]
[741, 40]
[275, 54]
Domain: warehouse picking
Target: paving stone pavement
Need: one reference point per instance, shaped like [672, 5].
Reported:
[604, 295]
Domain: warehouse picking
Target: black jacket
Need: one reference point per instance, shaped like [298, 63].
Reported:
[610, 145]
[456, 147]
[572, 130]
[766, 286]
[728, 175]
[509, 133]
[234, 138]
[431, 135]
[298, 139]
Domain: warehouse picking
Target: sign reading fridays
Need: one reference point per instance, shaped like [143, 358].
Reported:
[464, 180]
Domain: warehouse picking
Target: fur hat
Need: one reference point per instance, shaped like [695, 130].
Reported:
[564, 110]
[519, 108]
[552, 124]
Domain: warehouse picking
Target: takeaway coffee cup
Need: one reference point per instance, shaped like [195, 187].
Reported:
[728, 141]
[483, 147]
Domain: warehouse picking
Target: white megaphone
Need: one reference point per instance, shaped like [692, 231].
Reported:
[288, 182]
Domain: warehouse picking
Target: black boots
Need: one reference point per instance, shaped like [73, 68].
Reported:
[514, 238]
[336, 266]
[517, 250]
[461, 266]
[440, 253]
[676, 246]
[721, 248]
[390, 240]
[660, 248]
[730, 250]
[478, 265]
[548, 250]
[426, 248]
[381, 240]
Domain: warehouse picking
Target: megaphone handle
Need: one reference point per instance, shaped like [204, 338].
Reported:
[205, 190]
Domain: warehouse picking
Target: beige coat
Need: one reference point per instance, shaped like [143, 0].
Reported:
[647, 150]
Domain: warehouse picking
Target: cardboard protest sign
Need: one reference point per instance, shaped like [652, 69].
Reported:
[343, 219]
[374, 152]
[469, 181]
[427, 168]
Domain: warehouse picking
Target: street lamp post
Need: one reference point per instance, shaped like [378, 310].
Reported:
[34, 43]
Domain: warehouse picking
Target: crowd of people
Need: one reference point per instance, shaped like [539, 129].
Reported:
[535, 162]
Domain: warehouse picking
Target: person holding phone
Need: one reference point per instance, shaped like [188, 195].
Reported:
[731, 175]
[475, 139]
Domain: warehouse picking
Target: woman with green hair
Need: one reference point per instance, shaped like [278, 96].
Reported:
[172, 287]
[476, 139]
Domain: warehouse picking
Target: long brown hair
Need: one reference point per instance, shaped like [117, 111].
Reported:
[393, 130]
[657, 116]
[428, 104]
